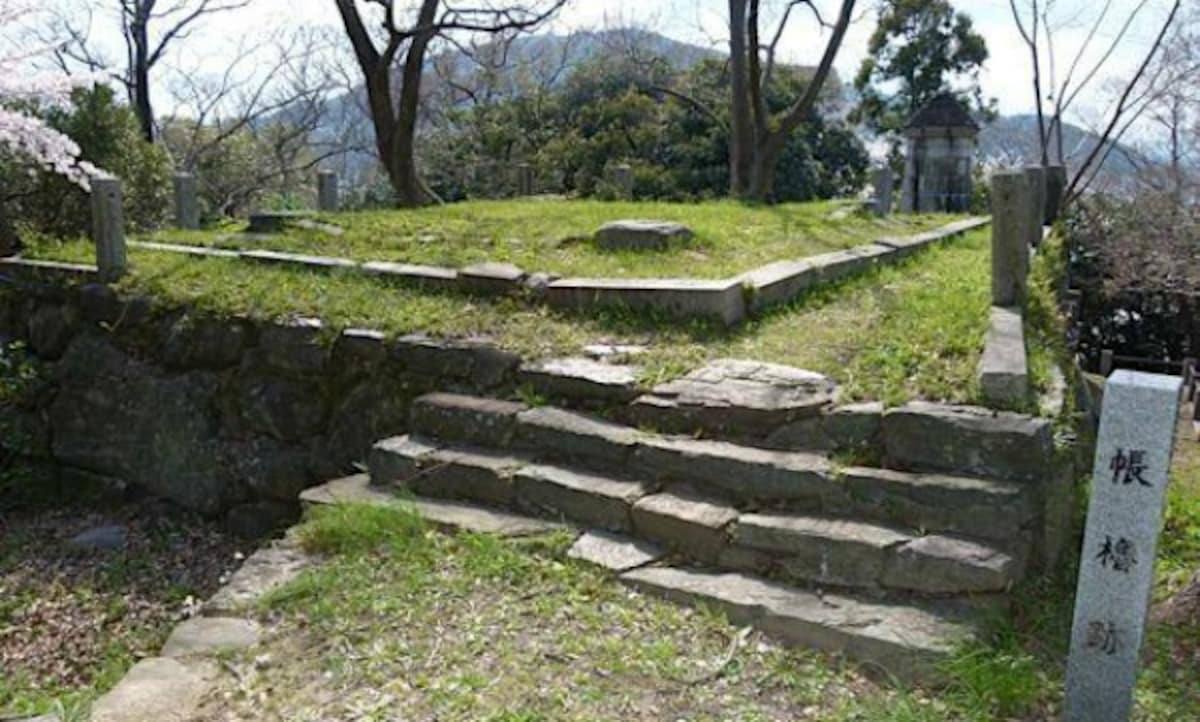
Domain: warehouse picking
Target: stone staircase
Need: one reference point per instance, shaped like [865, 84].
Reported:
[888, 567]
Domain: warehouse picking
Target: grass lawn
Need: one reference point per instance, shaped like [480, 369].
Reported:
[555, 235]
[404, 623]
[912, 330]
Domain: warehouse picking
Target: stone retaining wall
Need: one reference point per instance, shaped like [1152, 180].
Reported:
[237, 416]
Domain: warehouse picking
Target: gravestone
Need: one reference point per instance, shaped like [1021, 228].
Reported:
[1036, 175]
[327, 192]
[1116, 570]
[1056, 186]
[187, 209]
[884, 183]
[641, 235]
[1011, 219]
[108, 228]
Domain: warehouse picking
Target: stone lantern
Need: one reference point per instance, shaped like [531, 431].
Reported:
[941, 151]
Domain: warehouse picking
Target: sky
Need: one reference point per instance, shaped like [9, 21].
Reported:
[1006, 76]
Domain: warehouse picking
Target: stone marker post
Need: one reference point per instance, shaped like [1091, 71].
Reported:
[524, 179]
[1116, 569]
[187, 208]
[884, 185]
[622, 176]
[1056, 185]
[108, 228]
[1010, 238]
[327, 192]
[1036, 175]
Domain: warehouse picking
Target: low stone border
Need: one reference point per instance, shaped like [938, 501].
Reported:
[1004, 368]
[728, 300]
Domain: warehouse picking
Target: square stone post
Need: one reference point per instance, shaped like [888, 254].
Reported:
[187, 207]
[108, 228]
[1037, 183]
[883, 181]
[1011, 219]
[1056, 185]
[622, 176]
[908, 194]
[1124, 520]
[524, 179]
[327, 192]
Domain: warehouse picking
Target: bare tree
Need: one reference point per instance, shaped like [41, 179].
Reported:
[148, 28]
[269, 108]
[405, 38]
[757, 137]
[1039, 23]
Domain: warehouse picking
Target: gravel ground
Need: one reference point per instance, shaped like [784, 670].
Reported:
[70, 617]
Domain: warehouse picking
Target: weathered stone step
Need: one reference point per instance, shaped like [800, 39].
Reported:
[745, 474]
[902, 640]
[849, 553]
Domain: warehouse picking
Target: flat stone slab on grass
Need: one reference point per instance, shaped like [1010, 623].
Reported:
[721, 300]
[443, 514]
[747, 398]
[641, 235]
[491, 279]
[263, 571]
[614, 552]
[906, 641]
[581, 378]
[276, 221]
[158, 689]
[413, 274]
[1004, 367]
[206, 636]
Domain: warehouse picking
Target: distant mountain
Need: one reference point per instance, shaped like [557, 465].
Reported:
[1013, 140]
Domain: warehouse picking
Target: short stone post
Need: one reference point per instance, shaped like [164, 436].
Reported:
[108, 228]
[884, 185]
[524, 179]
[187, 208]
[1116, 569]
[622, 176]
[1010, 238]
[1056, 186]
[1036, 175]
[328, 200]
[1107, 361]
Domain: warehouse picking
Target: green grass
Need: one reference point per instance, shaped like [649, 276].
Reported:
[912, 330]
[403, 621]
[555, 235]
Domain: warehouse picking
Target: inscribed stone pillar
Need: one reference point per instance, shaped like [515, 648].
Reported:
[1116, 568]
[187, 208]
[883, 182]
[1036, 175]
[1011, 208]
[327, 192]
[908, 194]
[108, 228]
[1056, 185]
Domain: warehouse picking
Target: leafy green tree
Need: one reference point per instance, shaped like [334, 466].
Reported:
[920, 49]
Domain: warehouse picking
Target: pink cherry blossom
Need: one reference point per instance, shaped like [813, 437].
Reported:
[24, 135]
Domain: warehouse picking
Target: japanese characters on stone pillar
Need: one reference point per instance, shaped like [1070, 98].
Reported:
[327, 192]
[108, 228]
[187, 208]
[1116, 570]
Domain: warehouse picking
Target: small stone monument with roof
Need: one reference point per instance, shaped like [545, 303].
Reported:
[941, 151]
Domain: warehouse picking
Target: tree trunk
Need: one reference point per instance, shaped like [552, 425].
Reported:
[741, 139]
[141, 79]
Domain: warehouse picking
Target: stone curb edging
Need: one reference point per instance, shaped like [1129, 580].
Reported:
[1004, 367]
[728, 300]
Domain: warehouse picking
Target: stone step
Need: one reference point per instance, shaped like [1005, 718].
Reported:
[847, 553]
[748, 475]
[903, 640]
